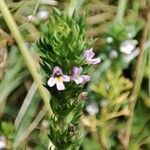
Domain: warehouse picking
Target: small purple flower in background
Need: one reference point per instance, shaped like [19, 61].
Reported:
[77, 78]
[128, 46]
[113, 54]
[109, 39]
[89, 54]
[58, 78]
[43, 15]
[92, 108]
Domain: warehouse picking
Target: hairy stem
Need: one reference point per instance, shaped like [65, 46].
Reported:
[24, 51]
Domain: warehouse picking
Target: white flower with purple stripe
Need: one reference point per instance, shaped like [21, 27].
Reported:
[89, 54]
[77, 78]
[58, 79]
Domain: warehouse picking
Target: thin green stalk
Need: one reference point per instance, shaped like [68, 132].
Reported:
[30, 128]
[137, 80]
[103, 130]
[121, 10]
[25, 105]
[24, 51]
[136, 6]
[36, 8]
[74, 5]
[71, 7]
[104, 138]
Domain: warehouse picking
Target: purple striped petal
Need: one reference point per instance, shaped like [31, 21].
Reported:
[85, 79]
[94, 61]
[89, 54]
[76, 71]
[57, 71]
[66, 78]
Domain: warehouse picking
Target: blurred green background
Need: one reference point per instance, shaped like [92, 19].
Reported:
[23, 120]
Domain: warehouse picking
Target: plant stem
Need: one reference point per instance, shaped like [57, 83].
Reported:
[137, 80]
[121, 10]
[30, 128]
[24, 51]
[71, 7]
[104, 138]
[26, 104]
[104, 131]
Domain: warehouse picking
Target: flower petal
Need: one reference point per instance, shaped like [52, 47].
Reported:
[94, 61]
[89, 54]
[85, 78]
[57, 71]
[128, 46]
[60, 85]
[77, 80]
[51, 82]
[76, 71]
[126, 49]
[66, 78]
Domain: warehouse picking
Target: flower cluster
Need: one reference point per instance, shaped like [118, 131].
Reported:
[58, 78]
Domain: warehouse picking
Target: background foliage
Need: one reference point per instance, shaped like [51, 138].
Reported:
[23, 119]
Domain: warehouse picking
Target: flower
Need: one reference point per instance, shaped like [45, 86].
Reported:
[113, 54]
[43, 15]
[92, 108]
[104, 103]
[128, 46]
[77, 78]
[83, 96]
[131, 56]
[89, 54]
[109, 39]
[58, 78]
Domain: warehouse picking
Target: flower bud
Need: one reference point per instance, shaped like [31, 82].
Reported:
[83, 96]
